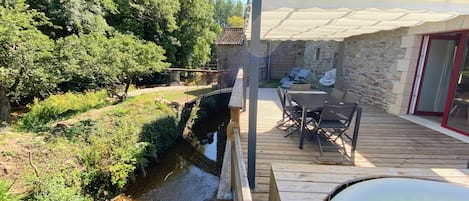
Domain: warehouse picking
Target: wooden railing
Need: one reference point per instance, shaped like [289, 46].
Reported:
[233, 180]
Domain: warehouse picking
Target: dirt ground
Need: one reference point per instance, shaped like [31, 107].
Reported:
[14, 157]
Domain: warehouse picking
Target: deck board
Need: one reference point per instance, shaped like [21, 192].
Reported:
[293, 181]
[384, 140]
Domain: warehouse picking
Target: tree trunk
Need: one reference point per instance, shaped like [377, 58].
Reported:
[127, 85]
[4, 106]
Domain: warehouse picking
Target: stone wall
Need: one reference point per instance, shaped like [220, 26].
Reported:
[370, 66]
[320, 56]
[230, 58]
[284, 55]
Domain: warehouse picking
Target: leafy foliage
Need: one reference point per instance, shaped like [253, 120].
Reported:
[151, 20]
[75, 16]
[235, 21]
[59, 106]
[138, 130]
[55, 188]
[198, 30]
[101, 154]
[107, 62]
[25, 53]
[4, 192]
[225, 9]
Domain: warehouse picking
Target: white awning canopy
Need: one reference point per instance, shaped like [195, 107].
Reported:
[339, 19]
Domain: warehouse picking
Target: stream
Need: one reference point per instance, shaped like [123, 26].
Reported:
[189, 170]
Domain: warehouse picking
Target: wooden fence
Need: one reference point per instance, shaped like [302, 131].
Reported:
[233, 180]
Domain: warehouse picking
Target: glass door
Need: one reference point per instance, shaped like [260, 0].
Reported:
[457, 117]
[436, 75]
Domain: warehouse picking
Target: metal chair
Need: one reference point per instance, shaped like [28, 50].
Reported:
[290, 113]
[350, 97]
[332, 123]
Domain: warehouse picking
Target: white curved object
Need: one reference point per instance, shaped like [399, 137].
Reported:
[328, 79]
[396, 189]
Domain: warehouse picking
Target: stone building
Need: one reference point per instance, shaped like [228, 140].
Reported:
[418, 68]
[282, 56]
[232, 54]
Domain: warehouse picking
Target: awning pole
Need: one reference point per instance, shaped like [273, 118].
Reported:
[253, 90]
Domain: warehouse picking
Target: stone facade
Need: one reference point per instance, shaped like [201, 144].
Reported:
[282, 56]
[370, 66]
[229, 59]
[320, 56]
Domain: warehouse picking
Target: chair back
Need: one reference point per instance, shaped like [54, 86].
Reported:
[335, 96]
[302, 75]
[352, 98]
[300, 87]
[281, 95]
[342, 112]
[293, 72]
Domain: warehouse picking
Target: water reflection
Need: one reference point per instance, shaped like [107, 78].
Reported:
[185, 173]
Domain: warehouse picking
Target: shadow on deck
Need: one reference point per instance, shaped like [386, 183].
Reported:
[384, 140]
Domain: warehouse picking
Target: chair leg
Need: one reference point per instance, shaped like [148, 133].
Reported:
[291, 132]
[280, 123]
[315, 132]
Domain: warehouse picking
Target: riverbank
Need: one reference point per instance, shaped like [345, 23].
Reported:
[95, 156]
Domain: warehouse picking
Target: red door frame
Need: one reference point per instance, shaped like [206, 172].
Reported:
[431, 37]
[452, 87]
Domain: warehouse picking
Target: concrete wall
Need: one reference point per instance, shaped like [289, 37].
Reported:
[370, 66]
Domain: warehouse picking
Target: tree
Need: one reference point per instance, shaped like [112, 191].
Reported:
[236, 21]
[25, 55]
[74, 16]
[238, 11]
[151, 20]
[108, 62]
[220, 16]
[82, 61]
[229, 9]
[132, 57]
[197, 31]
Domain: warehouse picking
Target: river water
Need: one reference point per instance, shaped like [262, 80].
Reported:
[189, 170]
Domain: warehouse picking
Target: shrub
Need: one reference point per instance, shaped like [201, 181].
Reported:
[59, 106]
[55, 188]
[4, 192]
[123, 140]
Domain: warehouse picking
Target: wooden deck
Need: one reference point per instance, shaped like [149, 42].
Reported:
[384, 141]
[317, 182]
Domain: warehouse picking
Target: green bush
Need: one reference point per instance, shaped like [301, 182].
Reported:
[4, 194]
[59, 106]
[55, 188]
[111, 147]
[123, 140]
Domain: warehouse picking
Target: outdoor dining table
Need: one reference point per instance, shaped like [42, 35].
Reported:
[308, 101]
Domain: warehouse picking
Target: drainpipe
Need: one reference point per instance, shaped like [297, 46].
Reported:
[253, 90]
[339, 83]
[269, 61]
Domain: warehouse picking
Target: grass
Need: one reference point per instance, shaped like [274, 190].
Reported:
[93, 158]
[272, 83]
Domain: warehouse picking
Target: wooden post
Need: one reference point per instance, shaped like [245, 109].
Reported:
[234, 123]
